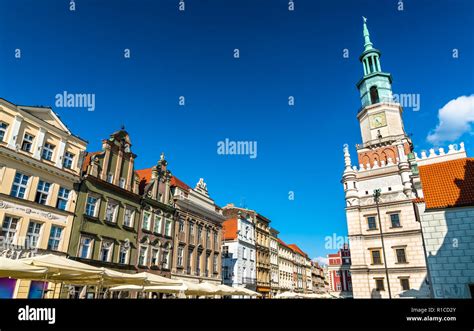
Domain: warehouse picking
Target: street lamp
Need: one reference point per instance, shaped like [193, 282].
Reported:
[376, 198]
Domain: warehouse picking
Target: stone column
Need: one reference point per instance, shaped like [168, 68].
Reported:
[60, 155]
[39, 143]
[118, 168]
[105, 165]
[14, 131]
[130, 180]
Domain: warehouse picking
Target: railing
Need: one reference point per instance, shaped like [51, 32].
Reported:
[380, 141]
[249, 281]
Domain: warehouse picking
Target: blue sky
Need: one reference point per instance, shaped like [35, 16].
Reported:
[282, 54]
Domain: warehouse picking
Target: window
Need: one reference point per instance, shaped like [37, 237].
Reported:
[142, 255]
[166, 259]
[19, 185]
[251, 255]
[9, 227]
[401, 255]
[91, 206]
[111, 211]
[3, 130]
[27, 142]
[33, 234]
[405, 284]
[338, 287]
[225, 251]
[181, 226]
[85, 247]
[146, 221]
[42, 192]
[225, 272]
[191, 228]
[376, 258]
[155, 256]
[199, 232]
[244, 253]
[247, 232]
[395, 219]
[374, 95]
[110, 177]
[106, 250]
[128, 217]
[122, 182]
[216, 244]
[47, 152]
[215, 264]
[338, 273]
[63, 197]
[54, 238]
[123, 254]
[180, 256]
[168, 228]
[68, 158]
[371, 222]
[157, 224]
[379, 285]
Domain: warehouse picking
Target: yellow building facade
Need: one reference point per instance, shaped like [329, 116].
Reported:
[40, 164]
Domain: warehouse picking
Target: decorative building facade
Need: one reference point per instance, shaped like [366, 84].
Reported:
[108, 207]
[198, 234]
[384, 234]
[239, 252]
[285, 267]
[156, 226]
[339, 271]
[274, 272]
[317, 276]
[40, 162]
[299, 269]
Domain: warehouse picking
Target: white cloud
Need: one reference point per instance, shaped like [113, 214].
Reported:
[321, 260]
[455, 118]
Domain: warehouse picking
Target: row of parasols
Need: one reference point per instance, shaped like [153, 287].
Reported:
[59, 269]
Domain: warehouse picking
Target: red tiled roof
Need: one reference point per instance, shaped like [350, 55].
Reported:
[230, 228]
[448, 184]
[144, 174]
[87, 160]
[178, 183]
[295, 248]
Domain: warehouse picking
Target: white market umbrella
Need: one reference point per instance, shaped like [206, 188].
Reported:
[20, 270]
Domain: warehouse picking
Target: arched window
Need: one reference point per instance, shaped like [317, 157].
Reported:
[374, 95]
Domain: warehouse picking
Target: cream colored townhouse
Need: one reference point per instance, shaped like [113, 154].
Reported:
[40, 162]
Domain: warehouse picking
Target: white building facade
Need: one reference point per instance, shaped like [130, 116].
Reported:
[239, 253]
[384, 234]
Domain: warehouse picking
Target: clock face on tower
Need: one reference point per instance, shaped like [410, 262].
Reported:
[377, 120]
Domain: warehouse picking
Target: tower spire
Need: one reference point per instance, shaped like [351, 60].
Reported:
[367, 43]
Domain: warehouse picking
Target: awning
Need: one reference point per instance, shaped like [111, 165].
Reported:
[17, 269]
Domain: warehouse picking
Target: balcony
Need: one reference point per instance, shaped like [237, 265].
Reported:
[249, 281]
